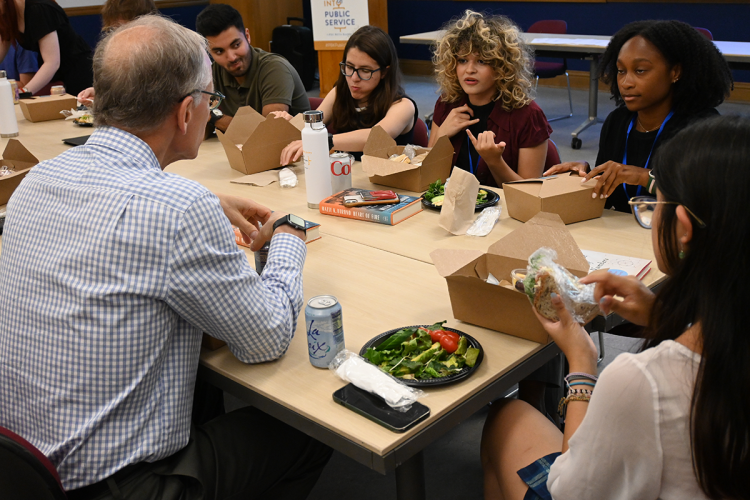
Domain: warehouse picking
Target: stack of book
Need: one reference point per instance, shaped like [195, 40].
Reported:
[390, 214]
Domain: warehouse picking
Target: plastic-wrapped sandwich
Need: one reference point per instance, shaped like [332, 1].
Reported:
[545, 276]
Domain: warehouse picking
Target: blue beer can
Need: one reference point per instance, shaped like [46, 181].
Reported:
[325, 329]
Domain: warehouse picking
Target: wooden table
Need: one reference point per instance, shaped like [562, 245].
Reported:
[589, 47]
[345, 262]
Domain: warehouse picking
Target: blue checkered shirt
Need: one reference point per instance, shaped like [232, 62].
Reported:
[109, 272]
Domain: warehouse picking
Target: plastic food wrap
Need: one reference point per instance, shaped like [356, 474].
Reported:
[485, 222]
[353, 368]
[408, 155]
[545, 276]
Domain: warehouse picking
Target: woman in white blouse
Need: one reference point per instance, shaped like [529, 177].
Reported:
[673, 421]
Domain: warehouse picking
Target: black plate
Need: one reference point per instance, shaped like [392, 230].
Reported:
[492, 199]
[464, 373]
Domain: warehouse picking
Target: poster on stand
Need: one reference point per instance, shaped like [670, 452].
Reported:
[334, 21]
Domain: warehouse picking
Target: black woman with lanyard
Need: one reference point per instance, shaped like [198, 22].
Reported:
[663, 75]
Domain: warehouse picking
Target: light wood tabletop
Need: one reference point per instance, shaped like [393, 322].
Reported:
[418, 236]
[378, 291]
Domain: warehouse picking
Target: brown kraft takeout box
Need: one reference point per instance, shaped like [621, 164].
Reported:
[253, 144]
[562, 194]
[498, 307]
[375, 163]
[41, 109]
[17, 158]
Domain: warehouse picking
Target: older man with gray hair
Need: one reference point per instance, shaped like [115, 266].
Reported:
[109, 272]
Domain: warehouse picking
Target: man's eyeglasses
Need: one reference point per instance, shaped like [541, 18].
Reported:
[644, 206]
[362, 73]
[214, 99]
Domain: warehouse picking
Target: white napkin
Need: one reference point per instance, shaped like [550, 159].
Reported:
[368, 377]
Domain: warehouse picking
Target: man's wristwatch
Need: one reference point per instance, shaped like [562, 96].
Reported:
[215, 115]
[291, 220]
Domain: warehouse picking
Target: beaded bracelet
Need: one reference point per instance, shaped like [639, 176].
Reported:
[573, 395]
[576, 392]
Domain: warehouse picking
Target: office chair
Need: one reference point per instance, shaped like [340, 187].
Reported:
[26, 473]
[705, 32]
[544, 69]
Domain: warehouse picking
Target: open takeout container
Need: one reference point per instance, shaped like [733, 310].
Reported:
[375, 163]
[253, 143]
[44, 108]
[502, 307]
[562, 194]
[20, 160]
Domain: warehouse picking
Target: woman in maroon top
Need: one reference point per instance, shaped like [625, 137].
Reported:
[484, 70]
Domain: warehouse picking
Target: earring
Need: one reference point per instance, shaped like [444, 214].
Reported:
[681, 253]
[675, 80]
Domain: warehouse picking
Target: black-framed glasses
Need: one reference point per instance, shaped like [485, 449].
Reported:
[362, 73]
[644, 206]
[214, 99]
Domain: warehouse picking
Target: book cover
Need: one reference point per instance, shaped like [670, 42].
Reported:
[313, 233]
[620, 264]
[390, 214]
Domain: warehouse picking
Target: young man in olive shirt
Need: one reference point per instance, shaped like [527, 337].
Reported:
[246, 75]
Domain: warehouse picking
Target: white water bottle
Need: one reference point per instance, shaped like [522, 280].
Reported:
[8, 123]
[316, 160]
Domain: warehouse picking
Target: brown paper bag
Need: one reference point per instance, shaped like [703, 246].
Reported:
[457, 213]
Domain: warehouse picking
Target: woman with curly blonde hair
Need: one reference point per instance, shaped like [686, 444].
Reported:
[484, 71]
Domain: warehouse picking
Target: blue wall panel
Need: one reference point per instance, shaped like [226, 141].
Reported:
[89, 27]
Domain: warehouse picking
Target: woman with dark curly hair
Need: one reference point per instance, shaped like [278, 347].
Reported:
[483, 68]
[367, 93]
[663, 75]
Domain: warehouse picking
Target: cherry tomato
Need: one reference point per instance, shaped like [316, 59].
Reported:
[434, 334]
[448, 344]
[451, 335]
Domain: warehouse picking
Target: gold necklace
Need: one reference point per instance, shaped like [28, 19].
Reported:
[638, 119]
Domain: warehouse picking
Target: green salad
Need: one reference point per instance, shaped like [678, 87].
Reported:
[435, 194]
[423, 353]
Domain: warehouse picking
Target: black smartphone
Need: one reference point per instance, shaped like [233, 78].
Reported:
[373, 407]
[76, 141]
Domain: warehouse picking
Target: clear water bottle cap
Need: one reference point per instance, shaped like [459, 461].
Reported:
[2, 73]
[313, 116]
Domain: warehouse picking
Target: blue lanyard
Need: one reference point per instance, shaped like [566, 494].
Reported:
[627, 138]
[471, 163]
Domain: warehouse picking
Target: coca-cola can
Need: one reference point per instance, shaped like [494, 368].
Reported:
[341, 171]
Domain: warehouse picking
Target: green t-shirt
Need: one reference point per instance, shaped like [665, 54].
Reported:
[271, 79]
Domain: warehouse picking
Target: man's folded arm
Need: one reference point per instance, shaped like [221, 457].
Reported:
[213, 287]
